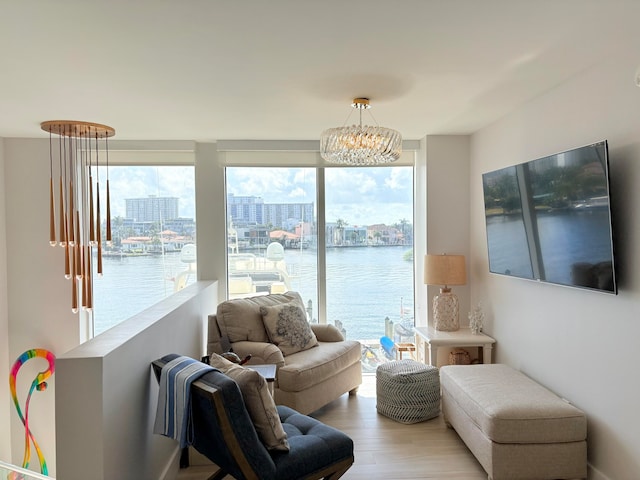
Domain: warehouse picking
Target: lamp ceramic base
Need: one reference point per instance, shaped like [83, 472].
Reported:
[446, 312]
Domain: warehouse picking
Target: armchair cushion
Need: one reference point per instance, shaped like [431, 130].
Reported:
[288, 328]
[308, 368]
[313, 445]
[258, 401]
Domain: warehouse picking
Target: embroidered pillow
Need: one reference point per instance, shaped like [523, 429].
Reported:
[259, 403]
[288, 328]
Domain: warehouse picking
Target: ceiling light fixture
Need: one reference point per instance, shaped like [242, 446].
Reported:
[76, 155]
[359, 145]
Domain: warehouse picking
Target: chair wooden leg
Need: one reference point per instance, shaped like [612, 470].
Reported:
[332, 472]
[184, 457]
[219, 475]
[338, 473]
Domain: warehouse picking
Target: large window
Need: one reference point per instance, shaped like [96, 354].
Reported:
[272, 232]
[369, 251]
[153, 231]
[363, 243]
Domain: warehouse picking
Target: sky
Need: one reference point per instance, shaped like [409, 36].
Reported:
[140, 182]
[359, 196]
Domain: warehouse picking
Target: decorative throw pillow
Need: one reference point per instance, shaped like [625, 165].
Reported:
[259, 403]
[288, 328]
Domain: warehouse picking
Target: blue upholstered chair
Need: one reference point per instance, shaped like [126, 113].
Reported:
[224, 433]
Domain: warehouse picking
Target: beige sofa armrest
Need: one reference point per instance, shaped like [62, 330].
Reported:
[327, 333]
[260, 352]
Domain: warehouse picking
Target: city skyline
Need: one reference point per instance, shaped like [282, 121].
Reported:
[358, 196]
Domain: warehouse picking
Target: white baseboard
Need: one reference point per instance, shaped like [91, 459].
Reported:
[595, 474]
[170, 471]
[196, 458]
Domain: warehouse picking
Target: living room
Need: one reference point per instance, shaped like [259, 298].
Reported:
[566, 339]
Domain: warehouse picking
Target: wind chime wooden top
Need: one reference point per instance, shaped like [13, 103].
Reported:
[73, 128]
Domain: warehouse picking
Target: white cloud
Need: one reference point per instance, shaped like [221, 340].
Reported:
[141, 182]
[362, 196]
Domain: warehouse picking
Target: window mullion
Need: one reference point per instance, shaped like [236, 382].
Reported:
[322, 243]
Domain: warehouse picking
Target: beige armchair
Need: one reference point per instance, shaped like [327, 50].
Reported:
[306, 379]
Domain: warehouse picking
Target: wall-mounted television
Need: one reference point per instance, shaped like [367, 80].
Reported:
[549, 219]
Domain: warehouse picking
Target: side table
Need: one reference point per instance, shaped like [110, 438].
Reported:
[268, 371]
[428, 340]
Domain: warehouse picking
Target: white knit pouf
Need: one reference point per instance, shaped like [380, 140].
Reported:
[408, 391]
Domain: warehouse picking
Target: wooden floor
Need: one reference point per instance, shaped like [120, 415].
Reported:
[385, 449]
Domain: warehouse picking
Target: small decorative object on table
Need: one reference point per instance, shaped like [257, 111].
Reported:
[476, 319]
[459, 356]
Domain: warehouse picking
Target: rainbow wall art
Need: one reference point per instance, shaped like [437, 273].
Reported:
[38, 384]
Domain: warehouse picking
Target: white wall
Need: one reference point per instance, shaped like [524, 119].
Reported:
[38, 296]
[5, 433]
[107, 395]
[582, 345]
[447, 182]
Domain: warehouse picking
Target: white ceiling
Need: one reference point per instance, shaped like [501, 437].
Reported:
[287, 69]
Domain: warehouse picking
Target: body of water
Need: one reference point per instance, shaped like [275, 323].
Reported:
[364, 285]
[566, 239]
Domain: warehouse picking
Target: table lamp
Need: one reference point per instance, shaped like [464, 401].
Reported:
[445, 270]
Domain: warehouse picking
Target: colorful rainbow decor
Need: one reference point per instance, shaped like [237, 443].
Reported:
[39, 384]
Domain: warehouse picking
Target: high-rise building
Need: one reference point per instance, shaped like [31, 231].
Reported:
[245, 209]
[250, 210]
[152, 208]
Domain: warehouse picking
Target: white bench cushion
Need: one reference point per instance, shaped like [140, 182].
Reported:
[509, 407]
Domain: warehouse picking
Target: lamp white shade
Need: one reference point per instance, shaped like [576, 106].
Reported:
[444, 270]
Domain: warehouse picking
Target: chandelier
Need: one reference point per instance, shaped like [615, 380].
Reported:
[78, 227]
[359, 145]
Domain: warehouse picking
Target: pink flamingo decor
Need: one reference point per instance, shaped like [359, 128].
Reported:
[39, 384]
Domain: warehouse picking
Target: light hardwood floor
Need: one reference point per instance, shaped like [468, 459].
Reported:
[385, 449]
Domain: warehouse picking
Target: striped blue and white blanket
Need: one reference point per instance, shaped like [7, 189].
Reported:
[173, 415]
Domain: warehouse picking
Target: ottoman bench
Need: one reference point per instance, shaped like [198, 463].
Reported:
[516, 428]
[407, 391]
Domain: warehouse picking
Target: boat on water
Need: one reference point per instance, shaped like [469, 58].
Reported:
[187, 276]
[249, 274]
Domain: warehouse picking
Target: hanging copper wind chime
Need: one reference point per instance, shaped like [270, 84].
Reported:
[77, 155]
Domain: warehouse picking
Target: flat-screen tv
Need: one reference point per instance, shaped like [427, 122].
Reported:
[549, 219]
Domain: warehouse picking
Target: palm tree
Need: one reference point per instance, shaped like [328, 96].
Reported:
[403, 223]
[340, 224]
[117, 226]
